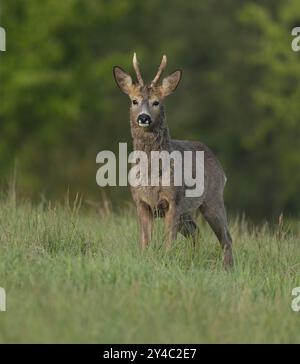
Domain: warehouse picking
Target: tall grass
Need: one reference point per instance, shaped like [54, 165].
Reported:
[73, 275]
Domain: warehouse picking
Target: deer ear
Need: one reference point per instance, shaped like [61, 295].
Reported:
[123, 79]
[170, 83]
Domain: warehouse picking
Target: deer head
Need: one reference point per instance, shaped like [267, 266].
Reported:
[146, 108]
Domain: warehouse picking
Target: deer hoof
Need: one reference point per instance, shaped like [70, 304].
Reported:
[228, 262]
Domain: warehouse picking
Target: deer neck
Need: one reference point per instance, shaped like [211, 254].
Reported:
[157, 139]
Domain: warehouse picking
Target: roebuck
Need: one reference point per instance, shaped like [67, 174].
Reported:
[150, 132]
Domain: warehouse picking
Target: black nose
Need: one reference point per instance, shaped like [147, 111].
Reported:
[144, 119]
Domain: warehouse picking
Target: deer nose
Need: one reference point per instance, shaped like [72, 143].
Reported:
[144, 120]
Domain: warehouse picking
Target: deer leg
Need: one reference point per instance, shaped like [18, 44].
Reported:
[172, 224]
[145, 216]
[188, 228]
[216, 217]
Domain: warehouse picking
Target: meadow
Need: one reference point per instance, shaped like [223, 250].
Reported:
[75, 275]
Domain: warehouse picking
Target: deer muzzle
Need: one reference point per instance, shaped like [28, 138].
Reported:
[144, 120]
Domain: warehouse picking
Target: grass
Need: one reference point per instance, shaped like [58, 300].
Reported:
[73, 276]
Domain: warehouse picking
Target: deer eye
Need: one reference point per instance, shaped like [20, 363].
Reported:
[134, 102]
[155, 103]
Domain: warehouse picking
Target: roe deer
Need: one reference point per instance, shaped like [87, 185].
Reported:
[150, 132]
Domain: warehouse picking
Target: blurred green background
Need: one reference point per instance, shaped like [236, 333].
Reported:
[240, 92]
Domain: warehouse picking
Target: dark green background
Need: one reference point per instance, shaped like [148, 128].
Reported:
[240, 92]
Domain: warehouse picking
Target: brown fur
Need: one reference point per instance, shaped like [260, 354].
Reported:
[171, 202]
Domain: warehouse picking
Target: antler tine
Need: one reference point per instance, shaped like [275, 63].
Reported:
[137, 69]
[160, 70]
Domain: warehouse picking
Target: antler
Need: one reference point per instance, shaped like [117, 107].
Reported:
[160, 70]
[137, 70]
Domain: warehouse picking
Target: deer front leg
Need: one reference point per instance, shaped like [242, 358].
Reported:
[172, 224]
[145, 217]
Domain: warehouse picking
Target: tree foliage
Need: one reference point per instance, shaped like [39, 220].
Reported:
[239, 94]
